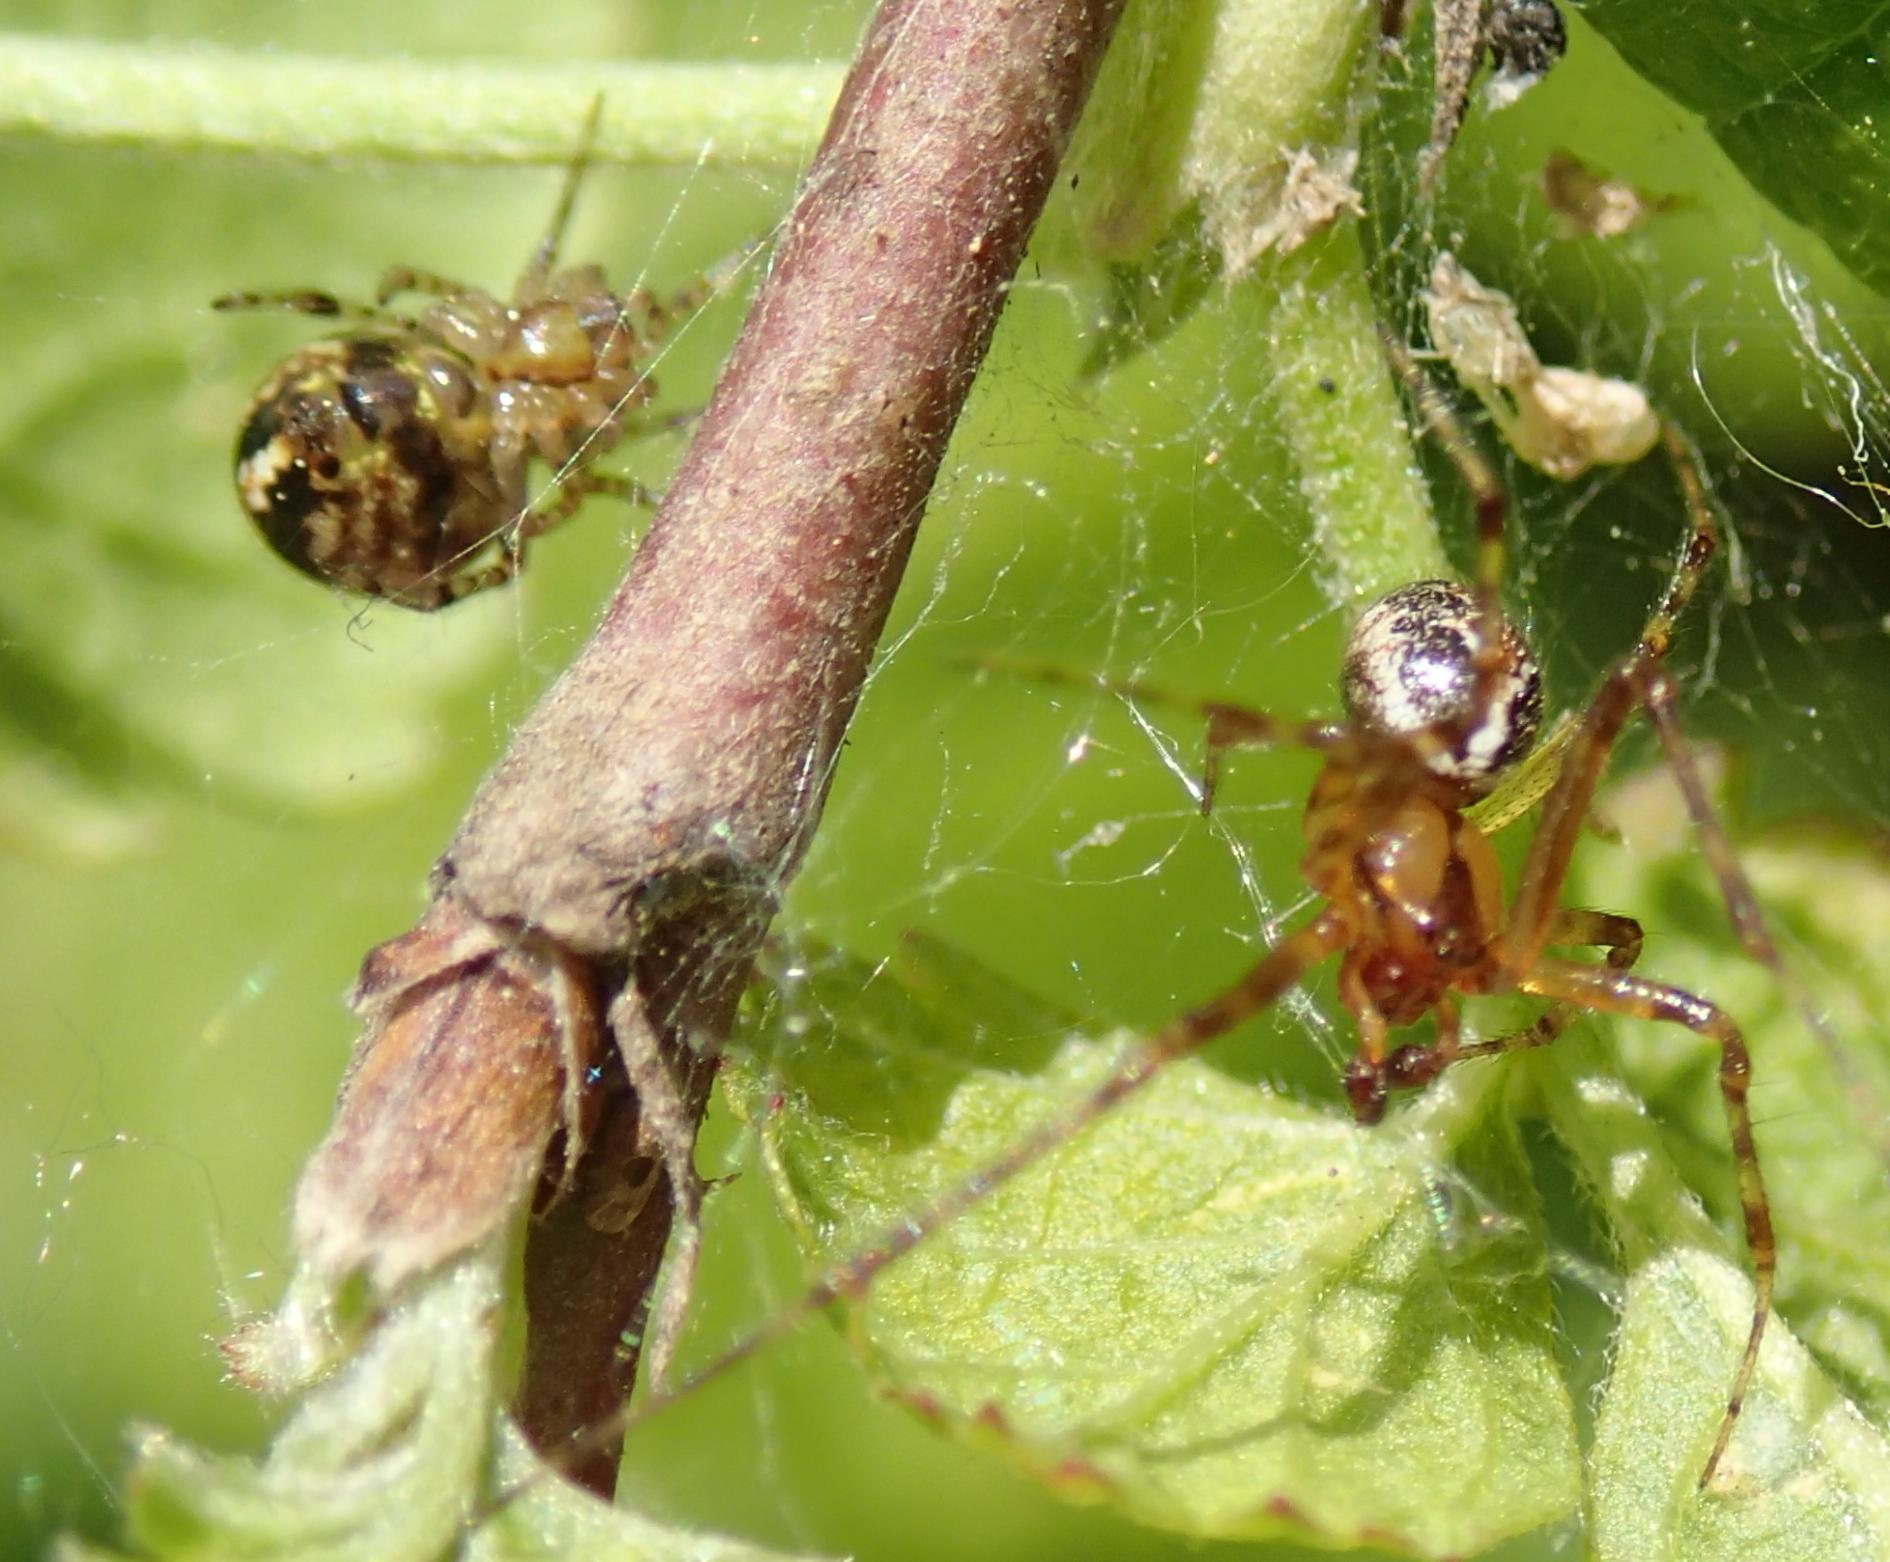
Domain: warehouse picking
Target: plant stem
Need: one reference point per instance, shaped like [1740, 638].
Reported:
[1373, 526]
[651, 809]
[202, 95]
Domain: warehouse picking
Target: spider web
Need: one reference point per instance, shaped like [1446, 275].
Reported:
[178, 1039]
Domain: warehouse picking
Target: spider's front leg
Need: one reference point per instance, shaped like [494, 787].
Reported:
[1535, 922]
[1620, 937]
[308, 301]
[1366, 1087]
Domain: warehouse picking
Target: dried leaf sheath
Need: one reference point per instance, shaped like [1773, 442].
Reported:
[474, 1054]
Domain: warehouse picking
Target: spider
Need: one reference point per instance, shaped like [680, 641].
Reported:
[1443, 701]
[385, 460]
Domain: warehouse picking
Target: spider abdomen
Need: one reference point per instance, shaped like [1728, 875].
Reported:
[1410, 671]
[361, 463]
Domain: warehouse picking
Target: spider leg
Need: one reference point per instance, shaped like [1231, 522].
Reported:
[573, 489]
[1279, 969]
[666, 1119]
[450, 586]
[1613, 991]
[1546, 1027]
[1492, 507]
[443, 588]
[407, 279]
[309, 301]
[1742, 905]
[1234, 726]
[657, 315]
[1414, 1067]
[1637, 678]
[1620, 936]
[535, 522]
[1563, 810]
[1228, 726]
[532, 280]
[1695, 553]
[1365, 1076]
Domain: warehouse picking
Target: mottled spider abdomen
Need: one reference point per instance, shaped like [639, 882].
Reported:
[364, 462]
[1410, 665]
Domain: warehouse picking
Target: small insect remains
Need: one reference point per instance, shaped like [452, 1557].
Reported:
[391, 460]
[1443, 703]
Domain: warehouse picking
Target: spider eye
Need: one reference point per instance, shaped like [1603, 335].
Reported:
[1410, 665]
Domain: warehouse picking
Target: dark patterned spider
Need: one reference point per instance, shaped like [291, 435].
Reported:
[1443, 701]
[388, 460]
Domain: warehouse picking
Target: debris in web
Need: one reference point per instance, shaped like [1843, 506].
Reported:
[1583, 199]
[1561, 421]
[1314, 194]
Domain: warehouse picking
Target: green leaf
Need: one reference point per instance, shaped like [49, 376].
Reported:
[396, 1458]
[1230, 1314]
[1793, 93]
[1225, 1312]
[1808, 1460]
[380, 1462]
[1806, 1475]
[555, 1522]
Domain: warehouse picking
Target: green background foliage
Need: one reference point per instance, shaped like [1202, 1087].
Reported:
[218, 786]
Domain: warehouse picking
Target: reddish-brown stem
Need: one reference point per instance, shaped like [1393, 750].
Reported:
[650, 810]
[590, 1265]
[697, 732]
